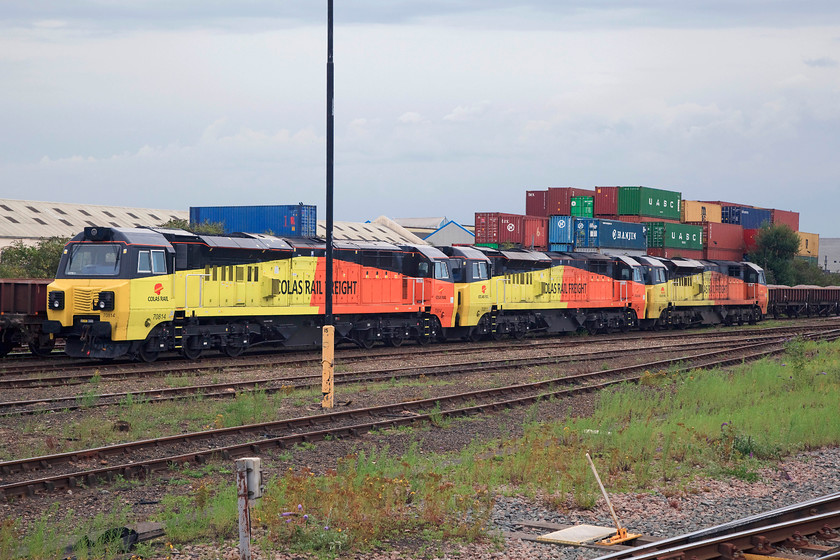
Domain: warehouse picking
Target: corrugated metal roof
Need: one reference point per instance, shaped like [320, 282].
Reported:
[29, 219]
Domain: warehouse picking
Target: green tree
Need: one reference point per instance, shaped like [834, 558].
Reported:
[38, 261]
[776, 246]
[811, 274]
[207, 228]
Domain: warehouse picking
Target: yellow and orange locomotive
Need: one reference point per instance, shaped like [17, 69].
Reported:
[138, 292]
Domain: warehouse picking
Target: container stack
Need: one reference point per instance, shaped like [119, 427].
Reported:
[498, 229]
[293, 220]
[632, 220]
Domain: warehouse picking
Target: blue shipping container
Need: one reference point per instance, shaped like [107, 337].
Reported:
[621, 235]
[292, 220]
[560, 230]
[561, 247]
[586, 233]
[746, 217]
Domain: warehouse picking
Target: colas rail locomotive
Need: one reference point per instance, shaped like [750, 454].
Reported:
[137, 292]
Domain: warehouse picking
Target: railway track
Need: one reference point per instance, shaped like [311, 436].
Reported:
[287, 383]
[141, 458]
[85, 371]
[806, 530]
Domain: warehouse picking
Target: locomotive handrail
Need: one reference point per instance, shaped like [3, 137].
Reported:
[200, 289]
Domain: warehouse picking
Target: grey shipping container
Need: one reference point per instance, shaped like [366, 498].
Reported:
[291, 220]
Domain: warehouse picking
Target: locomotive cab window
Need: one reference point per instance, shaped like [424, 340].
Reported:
[480, 271]
[93, 260]
[151, 262]
[442, 270]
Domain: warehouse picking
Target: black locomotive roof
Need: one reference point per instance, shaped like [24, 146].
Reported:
[130, 236]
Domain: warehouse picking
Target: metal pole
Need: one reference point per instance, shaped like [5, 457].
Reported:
[328, 294]
[244, 510]
[328, 332]
[604, 492]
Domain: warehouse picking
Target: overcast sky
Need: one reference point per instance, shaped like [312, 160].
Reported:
[443, 107]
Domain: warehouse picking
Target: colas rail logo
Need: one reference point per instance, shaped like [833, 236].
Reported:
[158, 288]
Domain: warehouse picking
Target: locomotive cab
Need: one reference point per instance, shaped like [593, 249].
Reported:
[104, 273]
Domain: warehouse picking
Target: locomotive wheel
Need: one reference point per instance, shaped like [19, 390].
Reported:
[396, 339]
[147, 356]
[190, 353]
[518, 333]
[364, 340]
[232, 351]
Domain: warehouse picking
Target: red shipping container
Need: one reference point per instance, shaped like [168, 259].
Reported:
[728, 237]
[668, 253]
[749, 240]
[535, 232]
[498, 227]
[723, 254]
[606, 201]
[558, 201]
[790, 219]
[645, 219]
[535, 203]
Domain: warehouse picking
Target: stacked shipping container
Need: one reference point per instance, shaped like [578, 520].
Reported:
[723, 242]
[790, 219]
[697, 211]
[809, 246]
[645, 201]
[745, 216]
[494, 229]
[582, 206]
[606, 201]
[567, 233]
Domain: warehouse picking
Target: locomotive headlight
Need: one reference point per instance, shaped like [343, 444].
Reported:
[105, 301]
[56, 300]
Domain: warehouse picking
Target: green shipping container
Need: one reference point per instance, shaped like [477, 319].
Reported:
[583, 206]
[674, 236]
[810, 260]
[652, 203]
[491, 245]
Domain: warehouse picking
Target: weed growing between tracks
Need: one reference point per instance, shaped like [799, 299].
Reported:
[658, 435]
